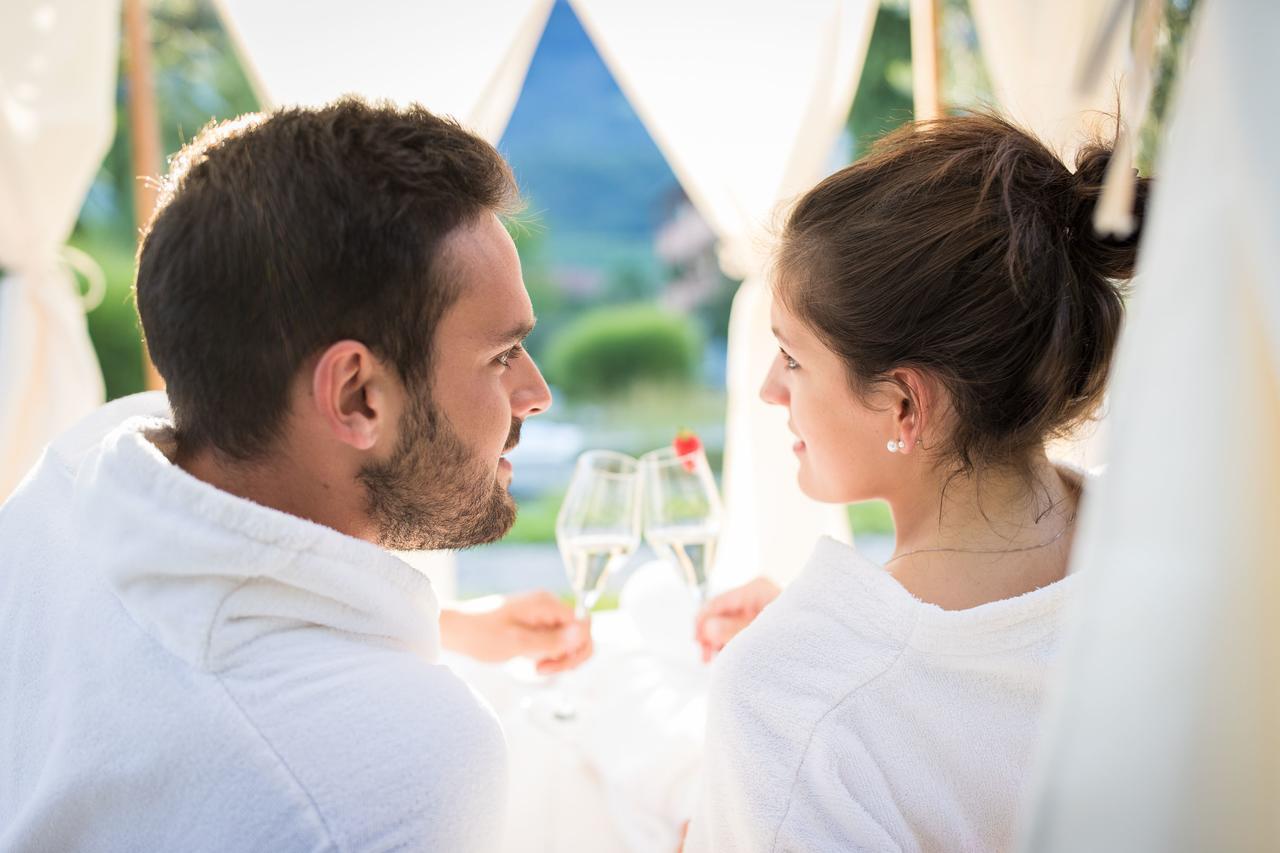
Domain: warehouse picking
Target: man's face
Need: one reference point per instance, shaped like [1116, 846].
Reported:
[446, 483]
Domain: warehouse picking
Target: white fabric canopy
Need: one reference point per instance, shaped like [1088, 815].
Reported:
[745, 100]
[57, 114]
[1033, 51]
[1167, 733]
[467, 60]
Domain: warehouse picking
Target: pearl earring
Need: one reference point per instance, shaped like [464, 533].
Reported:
[901, 444]
[895, 446]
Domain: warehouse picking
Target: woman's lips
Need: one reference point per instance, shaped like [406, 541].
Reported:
[798, 447]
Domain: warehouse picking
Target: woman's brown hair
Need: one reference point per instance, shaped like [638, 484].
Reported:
[964, 248]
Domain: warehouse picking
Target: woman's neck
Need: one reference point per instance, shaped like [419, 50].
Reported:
[970, 539]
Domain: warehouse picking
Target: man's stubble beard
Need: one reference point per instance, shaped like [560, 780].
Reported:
[433, 493]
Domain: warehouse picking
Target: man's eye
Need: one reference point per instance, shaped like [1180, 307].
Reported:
[790, 362]
[515, 352]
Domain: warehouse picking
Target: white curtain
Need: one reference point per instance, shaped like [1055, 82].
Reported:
[467, 60]
[1166, 735]
[1034, 51]
[57, 115]
[746, 101]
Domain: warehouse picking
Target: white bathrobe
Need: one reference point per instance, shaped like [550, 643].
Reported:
[850, 716]
[185, 670]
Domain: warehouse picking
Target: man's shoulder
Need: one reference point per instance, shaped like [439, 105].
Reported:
[393, 750]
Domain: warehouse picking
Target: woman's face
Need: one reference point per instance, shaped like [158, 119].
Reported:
[841, 439]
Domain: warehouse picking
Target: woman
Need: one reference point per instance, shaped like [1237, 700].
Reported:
[943, 310]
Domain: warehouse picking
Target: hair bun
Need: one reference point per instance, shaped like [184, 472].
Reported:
[1107, 257]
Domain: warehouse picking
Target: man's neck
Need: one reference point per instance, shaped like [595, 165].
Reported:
[278, 481]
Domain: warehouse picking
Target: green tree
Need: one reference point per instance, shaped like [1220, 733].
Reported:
[883, 99]
[609, 350]
[1170, 59]
[198, 79]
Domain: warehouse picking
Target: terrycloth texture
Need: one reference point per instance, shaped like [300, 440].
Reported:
[181, 669]
[852, 716]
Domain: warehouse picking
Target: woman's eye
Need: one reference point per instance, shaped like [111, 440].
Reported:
[514, 352]
[791, 363]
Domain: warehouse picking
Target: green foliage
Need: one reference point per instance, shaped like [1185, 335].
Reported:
[609, 350]
[883, 100]
[113, 325]
[198, 79]
[535, 520]
[1170, 58]
[550, 303]
[870, 517]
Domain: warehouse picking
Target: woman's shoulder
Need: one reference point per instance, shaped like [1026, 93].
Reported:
[835, 629]
[840, 623]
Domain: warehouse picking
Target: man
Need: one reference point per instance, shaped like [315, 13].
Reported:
[203, 644]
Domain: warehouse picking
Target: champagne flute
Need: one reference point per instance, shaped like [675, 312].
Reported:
[682, 512]
[597, 529]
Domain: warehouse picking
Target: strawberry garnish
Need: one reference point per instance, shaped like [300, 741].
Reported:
[686, 444]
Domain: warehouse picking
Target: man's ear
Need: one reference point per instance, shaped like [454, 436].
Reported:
[350, 392]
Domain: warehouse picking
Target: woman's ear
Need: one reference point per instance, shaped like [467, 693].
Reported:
[348, 393]
[916, 406]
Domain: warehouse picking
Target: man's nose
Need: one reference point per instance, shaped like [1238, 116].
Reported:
[533, 397]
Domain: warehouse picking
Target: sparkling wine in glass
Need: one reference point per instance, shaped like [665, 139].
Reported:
[589, 559]
[682, 512]
[598, 527]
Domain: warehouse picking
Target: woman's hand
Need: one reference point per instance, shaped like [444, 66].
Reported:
[728, 613]
[534, 625]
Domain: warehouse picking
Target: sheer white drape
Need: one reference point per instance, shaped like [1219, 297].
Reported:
[467, 60]
[746, 101]
[57, 114]
[1033, 51]
[1165, 737]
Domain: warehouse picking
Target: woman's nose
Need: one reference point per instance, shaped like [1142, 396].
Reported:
[774, 390]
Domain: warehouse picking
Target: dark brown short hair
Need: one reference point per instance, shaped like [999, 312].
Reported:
[964, 247]
[278, 235]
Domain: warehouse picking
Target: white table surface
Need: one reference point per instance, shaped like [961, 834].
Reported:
[623, 775]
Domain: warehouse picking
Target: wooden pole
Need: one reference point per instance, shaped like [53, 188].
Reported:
[925, 77]
[144, 131]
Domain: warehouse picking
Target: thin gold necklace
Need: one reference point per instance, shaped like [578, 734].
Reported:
[1045, 544]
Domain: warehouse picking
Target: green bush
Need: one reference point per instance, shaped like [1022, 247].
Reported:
[536, 520]
[113, 325]
[609, 350]
[870, 517]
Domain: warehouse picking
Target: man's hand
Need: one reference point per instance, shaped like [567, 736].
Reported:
[728, 613]
[534, 625]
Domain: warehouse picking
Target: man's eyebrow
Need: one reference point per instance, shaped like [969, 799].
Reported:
[515, 333]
